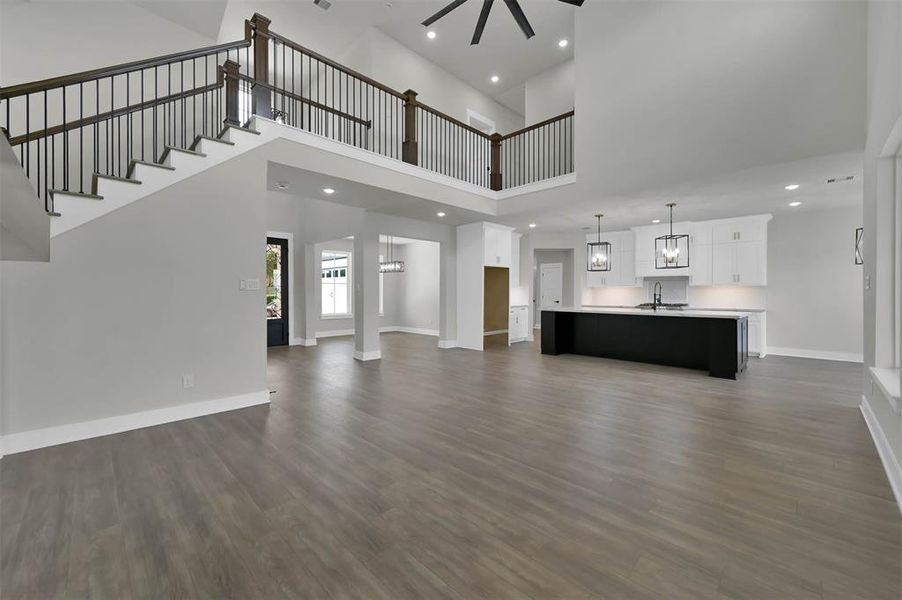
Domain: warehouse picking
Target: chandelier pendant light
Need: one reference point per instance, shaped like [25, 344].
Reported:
[598, 253]
[391, 265]
[672, 251]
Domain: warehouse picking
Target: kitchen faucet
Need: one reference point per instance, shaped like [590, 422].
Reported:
[656, 295]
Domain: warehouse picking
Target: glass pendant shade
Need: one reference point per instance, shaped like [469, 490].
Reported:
[672, 251]
[391, 265]
[598, 253]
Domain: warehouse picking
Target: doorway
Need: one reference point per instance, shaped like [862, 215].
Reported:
[277, 301]
[551, 282]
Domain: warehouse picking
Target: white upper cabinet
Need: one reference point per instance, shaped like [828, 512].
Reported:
[498, 248]
[700, 254]
[739, 251]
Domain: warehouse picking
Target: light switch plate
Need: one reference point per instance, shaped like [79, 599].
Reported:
[242, 285]
[253, 284]
[188, 380]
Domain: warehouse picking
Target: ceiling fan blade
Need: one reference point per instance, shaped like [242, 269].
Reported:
[480, 24]
[573, 2]
[443, 12]
[520, 18]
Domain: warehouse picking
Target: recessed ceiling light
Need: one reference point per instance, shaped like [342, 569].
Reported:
[656, 221]
[532, 225]
[439, 214]
[563, 43]
[282, 185]
[494, 79]
[796, 203]
[430, 34]
[792, 186]
[328, 191]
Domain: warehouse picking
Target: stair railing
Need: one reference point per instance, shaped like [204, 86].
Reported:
[65, 129]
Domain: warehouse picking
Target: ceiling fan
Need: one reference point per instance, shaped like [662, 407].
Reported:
[512, 5]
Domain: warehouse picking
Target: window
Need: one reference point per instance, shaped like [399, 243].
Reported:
[336, 288]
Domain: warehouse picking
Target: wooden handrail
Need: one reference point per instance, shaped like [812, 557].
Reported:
[85, 76]
[307, 101]
[119, 112]
[457, 122]
[529, 128]
[346, 70]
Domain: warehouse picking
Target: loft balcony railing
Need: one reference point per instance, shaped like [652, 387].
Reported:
[69, 130]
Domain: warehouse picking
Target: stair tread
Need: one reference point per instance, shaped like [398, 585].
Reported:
[239, 128]
[211, 139]
[79, 194]
[146, 163]
[116, 178]
[169, 149]
[99, 176]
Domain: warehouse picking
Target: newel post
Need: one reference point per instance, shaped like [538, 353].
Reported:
[409, 149]
[230, 71]
[495, 178]
[261, 103]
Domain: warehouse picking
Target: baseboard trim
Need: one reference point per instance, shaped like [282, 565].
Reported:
[302, 342]
[445, 344]
[816, 354]
[365, 356]
[887, 457]
[495, 332]
[334, 333]
[73, 432]
[414, 330]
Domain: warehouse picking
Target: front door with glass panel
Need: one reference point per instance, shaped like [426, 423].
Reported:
[276, 292]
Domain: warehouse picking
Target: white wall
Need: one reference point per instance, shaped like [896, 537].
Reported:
[884, 124]
[551, 92]
[676, 91]
[814, 296]
[399, 67]
[68, 37]
[133, 301]
[418, 287]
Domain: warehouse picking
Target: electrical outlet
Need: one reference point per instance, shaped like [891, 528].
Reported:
[188, 381]
[867, 282]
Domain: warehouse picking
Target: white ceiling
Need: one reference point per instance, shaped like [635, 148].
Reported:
[310, 184]
[751, 191]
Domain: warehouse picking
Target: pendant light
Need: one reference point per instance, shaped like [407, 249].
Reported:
[598, 253]
[672, 251]
[390, 265]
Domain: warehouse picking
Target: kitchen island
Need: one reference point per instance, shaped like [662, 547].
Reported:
[716, 341]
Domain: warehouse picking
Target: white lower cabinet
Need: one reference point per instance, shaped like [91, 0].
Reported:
[518, 324]
[758, 334]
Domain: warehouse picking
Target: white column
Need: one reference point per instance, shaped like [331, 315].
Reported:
[307, 269]
[447, 329]
[365, 271]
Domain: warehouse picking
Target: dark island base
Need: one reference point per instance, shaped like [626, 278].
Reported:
[718, 345]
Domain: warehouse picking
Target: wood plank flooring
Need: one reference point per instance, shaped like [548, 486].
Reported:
[458, 474]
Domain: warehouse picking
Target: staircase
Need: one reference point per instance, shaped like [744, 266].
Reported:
[144, 178]
[94, 141]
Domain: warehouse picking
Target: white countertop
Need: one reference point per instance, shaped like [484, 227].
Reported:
[710, 314]
[734, 309]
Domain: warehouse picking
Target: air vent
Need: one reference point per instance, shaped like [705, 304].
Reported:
[841, 179]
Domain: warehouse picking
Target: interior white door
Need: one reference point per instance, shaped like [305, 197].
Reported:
[551, 285]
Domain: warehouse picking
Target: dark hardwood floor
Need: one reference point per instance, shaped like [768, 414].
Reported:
[459, 474]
